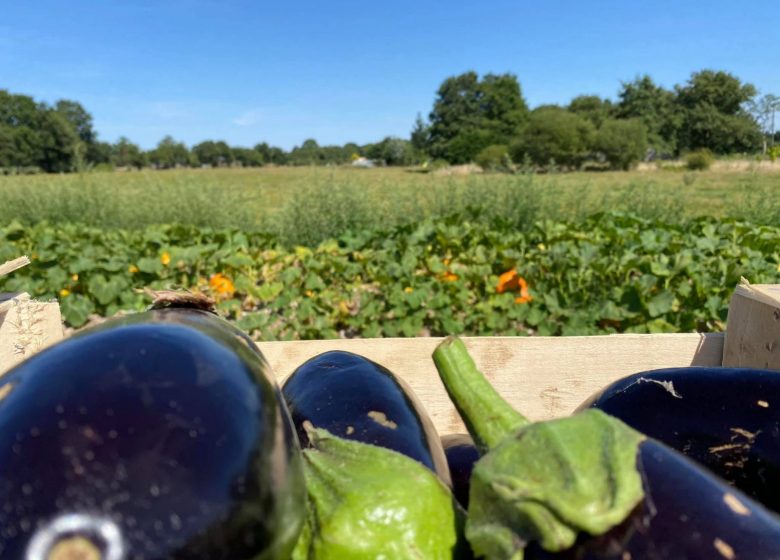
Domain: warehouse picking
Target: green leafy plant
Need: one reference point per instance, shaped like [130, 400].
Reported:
[608, 273]
[700, 160]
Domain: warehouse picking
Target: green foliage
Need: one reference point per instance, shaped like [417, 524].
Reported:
[392, 151]
[494, 158]
[420, 134]
[169, 154]
[700, 160]
[623, 142]
[126, 154]
[216, 154]
[609, 273]
[271, 154]
[591, 107]
[655, 106]
[554, 135]
[711, 104]
[470, 114]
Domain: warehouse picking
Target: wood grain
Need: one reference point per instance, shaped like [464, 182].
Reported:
[753, 337]
[26, 326]
[543, 377]
[9, 266]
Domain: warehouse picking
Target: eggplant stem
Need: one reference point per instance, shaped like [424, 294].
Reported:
[487, 416]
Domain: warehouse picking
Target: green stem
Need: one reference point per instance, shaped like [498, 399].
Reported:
[488, 417]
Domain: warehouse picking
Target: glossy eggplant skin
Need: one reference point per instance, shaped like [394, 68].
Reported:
[461, 455]
[686, 514]
[356, 398]
[162, 435]
[727, 419]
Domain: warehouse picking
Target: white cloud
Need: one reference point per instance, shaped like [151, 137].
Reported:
[249, 118]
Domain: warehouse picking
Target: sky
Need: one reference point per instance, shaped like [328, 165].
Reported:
[248, 71]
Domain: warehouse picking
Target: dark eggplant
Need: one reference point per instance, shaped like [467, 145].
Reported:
[355, 398]
[161, 435]
[727, 419]
[590, 487]
[461, 455]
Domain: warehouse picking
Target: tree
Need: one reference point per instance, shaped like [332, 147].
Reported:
[420, 135]
[99, 152]
[592, 107]
[468, 115]
[57, 143]
[216, 154]
[7, 146]
[554, 135]
[79, 118]
[656, 108]
[126, 154]
[271, 154]
[623, 142]
[21, 118]
[713, 115]
[170, 153]
[393, 151]
[763, 110]
[307, 153]
[19, 110]
[247, 157]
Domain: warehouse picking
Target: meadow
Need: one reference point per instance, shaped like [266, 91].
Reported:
[306, 205]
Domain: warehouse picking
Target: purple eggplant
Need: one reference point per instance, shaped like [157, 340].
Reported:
[590, 487]
[161, 435]
[355, 398]
[727, 419]
[461, 455]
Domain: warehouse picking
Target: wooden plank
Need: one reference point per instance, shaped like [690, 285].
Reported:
[10, 266]
[753, 337]
[27, 326]
[543, 377]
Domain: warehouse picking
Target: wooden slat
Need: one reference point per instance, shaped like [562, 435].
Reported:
[27, 326]
[753, 338]
[9, 266]
[543, 377]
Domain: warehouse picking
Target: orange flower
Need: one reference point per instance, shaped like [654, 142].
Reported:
[510, 281]
[524, 296]
[449, 276]
[132, 269]
[507, 281]
[165, 258]
[222, 284]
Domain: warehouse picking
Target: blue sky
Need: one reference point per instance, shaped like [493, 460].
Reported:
[248, 71]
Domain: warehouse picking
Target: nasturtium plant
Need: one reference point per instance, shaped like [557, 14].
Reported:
[606, 274]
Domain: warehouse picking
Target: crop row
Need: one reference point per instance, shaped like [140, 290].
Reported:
[610, 273]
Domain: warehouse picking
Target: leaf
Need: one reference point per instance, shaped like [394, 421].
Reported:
[660, 304]
[269, 290]
[238, 260]
[150, 265]
[106, 291]
[76, 309]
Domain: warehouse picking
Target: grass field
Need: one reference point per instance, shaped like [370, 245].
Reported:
[306, 205]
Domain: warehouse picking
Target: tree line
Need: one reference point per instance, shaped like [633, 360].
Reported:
[484, 120]
[488, 120]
